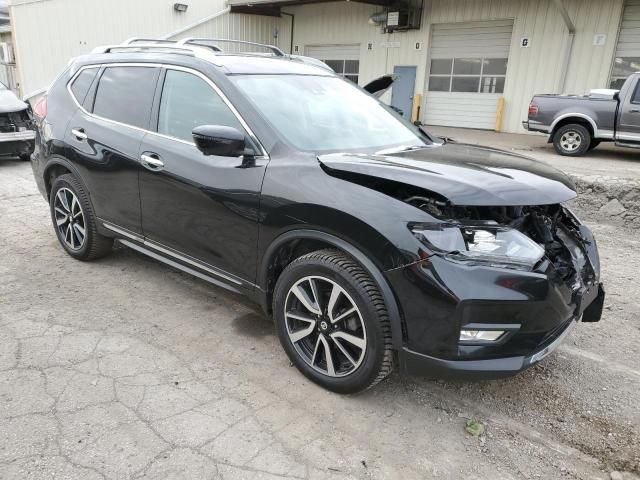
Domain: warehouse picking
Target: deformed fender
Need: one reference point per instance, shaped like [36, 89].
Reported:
[385, 289]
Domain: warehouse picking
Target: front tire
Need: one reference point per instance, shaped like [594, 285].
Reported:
[572, 140]
[74, 221]
[332, 322]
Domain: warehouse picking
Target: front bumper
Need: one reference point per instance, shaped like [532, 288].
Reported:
[438, 298]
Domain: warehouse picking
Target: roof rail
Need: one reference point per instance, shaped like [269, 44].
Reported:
[191, 50]
[200, 41]
[133, 40]
[197, 47]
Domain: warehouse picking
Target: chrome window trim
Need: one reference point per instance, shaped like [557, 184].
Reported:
[264, 155]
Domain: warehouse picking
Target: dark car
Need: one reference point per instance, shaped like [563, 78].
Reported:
[369, 242]
[16, 126]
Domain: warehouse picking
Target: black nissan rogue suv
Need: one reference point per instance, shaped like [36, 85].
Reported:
[370, 242]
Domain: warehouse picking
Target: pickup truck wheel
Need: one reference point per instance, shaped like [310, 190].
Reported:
[572, 140]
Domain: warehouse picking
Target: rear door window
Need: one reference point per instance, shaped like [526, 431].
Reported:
[82, 83]
[125, 95]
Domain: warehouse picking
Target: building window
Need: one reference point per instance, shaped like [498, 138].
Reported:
[477, 75]
[349, 69]
[622, 68]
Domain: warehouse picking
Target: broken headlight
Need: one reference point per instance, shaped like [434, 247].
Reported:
[481, 245]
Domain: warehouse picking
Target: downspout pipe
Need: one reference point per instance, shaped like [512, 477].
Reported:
[569, 48]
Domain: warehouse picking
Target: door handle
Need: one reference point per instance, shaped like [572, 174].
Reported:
[79, 133]
[635, 110]
[151, 161]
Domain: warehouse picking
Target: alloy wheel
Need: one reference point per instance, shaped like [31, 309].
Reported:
[69, 219]
[325, 326]
[570, 141]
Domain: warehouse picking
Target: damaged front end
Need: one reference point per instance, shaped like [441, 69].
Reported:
[499, 270]
[547, 238]
[17, 133]
[500, 285]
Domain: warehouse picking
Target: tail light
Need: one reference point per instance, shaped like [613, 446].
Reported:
[533, 109]
[40, 109]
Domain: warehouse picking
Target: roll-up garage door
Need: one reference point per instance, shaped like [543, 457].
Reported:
[467, 73]
[627, 58]
[344, 59]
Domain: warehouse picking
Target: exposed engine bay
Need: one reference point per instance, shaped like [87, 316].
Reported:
[551, 226]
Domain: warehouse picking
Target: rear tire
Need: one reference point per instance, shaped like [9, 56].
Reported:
[25, 157]
[74, 222]
[572, 140]
[340, 351]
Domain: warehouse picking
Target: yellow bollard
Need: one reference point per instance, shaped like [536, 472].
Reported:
[417, 102]
[499, 114]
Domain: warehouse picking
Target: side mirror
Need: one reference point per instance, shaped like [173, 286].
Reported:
[219, 140]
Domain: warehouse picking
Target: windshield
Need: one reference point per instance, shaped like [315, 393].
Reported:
[323, 113]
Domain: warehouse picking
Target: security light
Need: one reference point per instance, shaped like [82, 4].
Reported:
[180, 7]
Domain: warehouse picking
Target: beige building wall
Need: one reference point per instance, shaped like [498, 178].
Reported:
[536, 69]
[47, 33]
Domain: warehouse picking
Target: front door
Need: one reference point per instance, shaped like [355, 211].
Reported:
[628, 129]
[403, 89]
[205, 207]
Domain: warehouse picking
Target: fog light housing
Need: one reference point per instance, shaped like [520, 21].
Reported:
[481, 335]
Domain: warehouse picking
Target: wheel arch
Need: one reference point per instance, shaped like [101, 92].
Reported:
[306, 240]
[56, 167]
[577, 118]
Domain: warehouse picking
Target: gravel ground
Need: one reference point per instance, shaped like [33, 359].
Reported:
[126, 368]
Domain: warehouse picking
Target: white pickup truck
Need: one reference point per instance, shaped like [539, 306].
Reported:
[577, 124]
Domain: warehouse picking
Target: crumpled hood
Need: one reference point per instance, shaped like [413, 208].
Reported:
[10, 103]
[463, 174]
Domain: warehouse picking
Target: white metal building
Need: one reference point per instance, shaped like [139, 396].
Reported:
[461, 59]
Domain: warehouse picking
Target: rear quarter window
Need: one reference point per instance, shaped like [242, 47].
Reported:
[82, 83]
[125, 95]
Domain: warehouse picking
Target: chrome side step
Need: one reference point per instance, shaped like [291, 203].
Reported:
[177, 265]
[154, 249]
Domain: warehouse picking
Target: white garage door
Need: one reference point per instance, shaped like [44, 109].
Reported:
[467, 73]
[344, 59]
[627, 59]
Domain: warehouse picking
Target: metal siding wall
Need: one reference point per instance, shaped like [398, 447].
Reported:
[629, 40]
[472, 39]
[49, 32]
[532, 70]
[590, 65]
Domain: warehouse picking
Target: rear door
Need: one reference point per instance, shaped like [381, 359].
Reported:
[629, 115]
[104, 138]
[200, 208]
